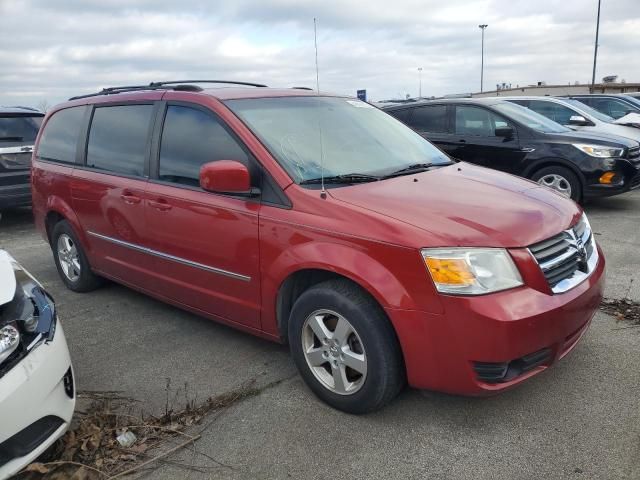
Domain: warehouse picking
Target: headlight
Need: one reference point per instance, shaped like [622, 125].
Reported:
[599, 151]
[9, 341]
[29, 317]
[471, 271]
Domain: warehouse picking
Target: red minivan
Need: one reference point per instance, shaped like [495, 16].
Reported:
[320, 221]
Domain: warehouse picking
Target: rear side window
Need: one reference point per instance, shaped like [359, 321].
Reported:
[19, 128]
[608, 106]
[430, 119]
[586, 101]
[556, 112]
[477, 121]
[118, 139]
[402, 115]
[190, 138]
[60, 136]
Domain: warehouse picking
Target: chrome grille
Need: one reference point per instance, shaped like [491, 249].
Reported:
[568, 258]
[633, 155]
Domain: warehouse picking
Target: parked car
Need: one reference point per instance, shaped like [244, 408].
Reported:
[502, 135]
[321, 221]
[614, 106]
[37, 391]
[576, 115]
[633, 94]
[18, 129]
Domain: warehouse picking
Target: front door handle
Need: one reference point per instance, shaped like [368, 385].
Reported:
[130, 199]
[462, 140]
[161, 205]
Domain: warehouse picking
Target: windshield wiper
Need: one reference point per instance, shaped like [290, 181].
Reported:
[11, 139]
[415, 168]
[345, 178]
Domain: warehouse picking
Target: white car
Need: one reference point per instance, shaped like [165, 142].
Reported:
[37, 390]
[578, 116]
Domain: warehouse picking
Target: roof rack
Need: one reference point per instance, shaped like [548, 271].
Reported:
[230, 82]
[180, 85]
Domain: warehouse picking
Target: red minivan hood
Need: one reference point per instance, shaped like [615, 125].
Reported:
[466, 205]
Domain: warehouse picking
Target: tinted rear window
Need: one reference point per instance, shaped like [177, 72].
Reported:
[60, 137]
[429, 119]
[118, 139]
[19, 129]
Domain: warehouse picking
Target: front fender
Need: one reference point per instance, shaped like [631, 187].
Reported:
[393, 275]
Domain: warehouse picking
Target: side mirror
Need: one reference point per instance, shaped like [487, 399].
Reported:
[578, 120]
[505, 132]
[226, 176]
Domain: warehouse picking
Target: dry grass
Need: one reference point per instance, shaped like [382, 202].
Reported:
[90, 450]
[622, 309]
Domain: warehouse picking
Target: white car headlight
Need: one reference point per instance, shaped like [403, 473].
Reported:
[599, 151]
[471, 271]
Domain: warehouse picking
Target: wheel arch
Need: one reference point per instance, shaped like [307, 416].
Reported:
[57, 210]
[326, 261]
[553, 162]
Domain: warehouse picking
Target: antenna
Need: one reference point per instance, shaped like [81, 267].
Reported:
[315, 40]
[323, 192]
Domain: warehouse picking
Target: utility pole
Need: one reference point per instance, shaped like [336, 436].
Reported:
[420, 81]
[482, 27]
[595, 51]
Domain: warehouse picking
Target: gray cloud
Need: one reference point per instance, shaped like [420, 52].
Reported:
[52, 49]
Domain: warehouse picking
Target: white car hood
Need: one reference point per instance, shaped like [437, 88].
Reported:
[630, 119]
[7, 278]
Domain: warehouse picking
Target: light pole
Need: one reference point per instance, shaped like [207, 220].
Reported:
[482, 27]
[420, 80]
[595, 51]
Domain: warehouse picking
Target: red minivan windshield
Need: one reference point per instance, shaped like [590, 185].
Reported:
[346, 136]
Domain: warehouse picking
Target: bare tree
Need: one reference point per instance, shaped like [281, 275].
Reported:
[43, 105]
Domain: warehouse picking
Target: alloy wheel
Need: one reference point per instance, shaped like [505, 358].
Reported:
[68, 257]
[334, 352]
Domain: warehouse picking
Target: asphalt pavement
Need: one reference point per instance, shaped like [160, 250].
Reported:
[578, 420]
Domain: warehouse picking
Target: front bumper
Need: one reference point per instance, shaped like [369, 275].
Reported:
[442, 351]
[628, 179]
[37, 400]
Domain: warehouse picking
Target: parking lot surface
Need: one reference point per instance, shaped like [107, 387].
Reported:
[579, 420]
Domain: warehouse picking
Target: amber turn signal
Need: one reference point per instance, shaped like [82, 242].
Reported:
[607, 178]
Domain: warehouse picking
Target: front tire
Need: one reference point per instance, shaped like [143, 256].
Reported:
[345, 348]
[560, 179]
[71, 261]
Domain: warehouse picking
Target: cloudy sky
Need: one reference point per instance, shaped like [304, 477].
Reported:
[51, 49]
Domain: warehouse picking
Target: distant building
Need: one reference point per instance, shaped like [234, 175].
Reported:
[542, 89]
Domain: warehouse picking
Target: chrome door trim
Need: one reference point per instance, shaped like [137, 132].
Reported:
[173, 258]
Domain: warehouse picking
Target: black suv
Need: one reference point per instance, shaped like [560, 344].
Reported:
[18, 130]
[514, 139]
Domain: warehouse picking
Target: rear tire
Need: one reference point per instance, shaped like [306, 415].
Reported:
[560, 179]
[71, 261]
[345, 347]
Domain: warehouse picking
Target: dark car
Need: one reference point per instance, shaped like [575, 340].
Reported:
[505, 136]
[18, 130]
[616, 106]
